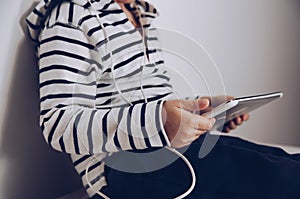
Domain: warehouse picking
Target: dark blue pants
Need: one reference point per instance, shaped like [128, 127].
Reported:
[234, 169]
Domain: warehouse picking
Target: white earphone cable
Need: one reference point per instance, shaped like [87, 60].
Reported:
[110, 54]
[89, 181]
[129, 102]
[187, 162]
[145, 58]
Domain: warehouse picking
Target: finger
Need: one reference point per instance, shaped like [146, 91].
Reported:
[204, 124]
[229, 97]
[238, 120]
[231, 125]
[245, 117]
[217, 100]
[194, 105]
[199, 133]
[192, 135]
[209, 108]
[226, 129]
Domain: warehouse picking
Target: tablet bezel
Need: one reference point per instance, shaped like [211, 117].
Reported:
[239, 106]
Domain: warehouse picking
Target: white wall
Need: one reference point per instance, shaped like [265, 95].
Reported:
[28, 167]
[254, 43]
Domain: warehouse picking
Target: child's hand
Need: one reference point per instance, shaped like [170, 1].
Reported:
[232, 124]
[181, 125]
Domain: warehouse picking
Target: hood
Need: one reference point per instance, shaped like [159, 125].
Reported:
[36, 19]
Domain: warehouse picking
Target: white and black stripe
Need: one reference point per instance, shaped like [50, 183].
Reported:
[78, 99]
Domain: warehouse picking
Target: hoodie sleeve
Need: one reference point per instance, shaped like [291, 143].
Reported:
[68, 90]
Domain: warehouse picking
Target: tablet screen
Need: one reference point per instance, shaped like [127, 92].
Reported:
[244, 105]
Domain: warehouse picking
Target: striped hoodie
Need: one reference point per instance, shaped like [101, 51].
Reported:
[81, 111]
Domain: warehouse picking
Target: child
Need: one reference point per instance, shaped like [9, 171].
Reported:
[103, 93]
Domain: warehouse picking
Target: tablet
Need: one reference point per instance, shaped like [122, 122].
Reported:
[239, 106]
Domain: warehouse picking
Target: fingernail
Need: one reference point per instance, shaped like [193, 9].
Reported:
[204, 102]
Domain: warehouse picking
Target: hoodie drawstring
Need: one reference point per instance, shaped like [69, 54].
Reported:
[129, 102]
[111, 58]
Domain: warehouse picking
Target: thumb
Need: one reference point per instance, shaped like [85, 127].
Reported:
[194, 105]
